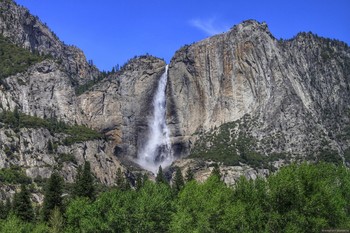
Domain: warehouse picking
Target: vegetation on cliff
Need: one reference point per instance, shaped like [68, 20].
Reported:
[75, 133]
[298, 198]
[14, 59]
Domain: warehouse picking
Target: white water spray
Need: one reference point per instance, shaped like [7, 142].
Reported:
[157, 150]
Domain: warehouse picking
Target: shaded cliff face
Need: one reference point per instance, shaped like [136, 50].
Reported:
[121, 106]
[295, 92]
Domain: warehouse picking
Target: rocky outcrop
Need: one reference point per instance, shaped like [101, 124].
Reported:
[44, 90]
[118, 106]
[28, 149]
[229, 174]
[121, 106]
[295, 91]
[27, 31]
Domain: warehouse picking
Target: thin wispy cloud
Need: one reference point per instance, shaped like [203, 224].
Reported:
[209, 26]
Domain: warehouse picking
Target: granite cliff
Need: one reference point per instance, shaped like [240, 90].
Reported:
[286, 98]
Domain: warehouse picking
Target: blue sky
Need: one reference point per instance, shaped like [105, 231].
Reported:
[111, 31]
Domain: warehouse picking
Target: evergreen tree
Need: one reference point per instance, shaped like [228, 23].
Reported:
[160, 176]
[84, 184]
[189, 175]
[178, 183]
[53, 195]
[120, 179]
[17, 118]
[56, 221]
[139, 182]
[216, 171]
[22, 206]
[121, 182]
[3, 214]
[49, 146]
[5, 209]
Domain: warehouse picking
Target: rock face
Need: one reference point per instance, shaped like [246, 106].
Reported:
[117, 106]
[44, 90]
[121, 106]
[26, 30]
[296, 91]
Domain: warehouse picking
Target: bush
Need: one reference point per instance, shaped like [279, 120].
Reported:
[13, 175]
[14, 59]
[76, 133]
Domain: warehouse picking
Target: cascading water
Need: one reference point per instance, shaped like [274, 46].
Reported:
[157, 150]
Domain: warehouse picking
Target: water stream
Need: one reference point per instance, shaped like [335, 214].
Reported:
[157, 150]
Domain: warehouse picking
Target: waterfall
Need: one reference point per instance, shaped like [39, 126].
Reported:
[157, 150]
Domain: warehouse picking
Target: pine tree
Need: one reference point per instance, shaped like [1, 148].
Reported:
[189, 175]
[160, 176]
[22, 206]
[121, 182]
[56, 221]
[216, 171]
[53, 195]
[84, 184]
[49, 146]
[17, 118]
[139, 182]
[178, 183]
[5, 209]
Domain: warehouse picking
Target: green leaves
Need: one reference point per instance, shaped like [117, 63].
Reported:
[203, 207]
[298, 198]
[14, 59]
[84, 184]
[53, 195]
[75, 133]
[22, 206]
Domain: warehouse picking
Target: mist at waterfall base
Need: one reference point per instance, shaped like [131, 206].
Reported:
[157, 149]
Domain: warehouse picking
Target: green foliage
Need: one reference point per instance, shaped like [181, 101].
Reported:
[347, 155]
[139, 182]
[53, 195]
[80, 133]
[178, 182]
[148, 210]
[308, 198]
[216, 171]
[56, 221]
[14, 59]
[66, 158]
[229, 146]
[160, 178]
[203, 208]
[76, 133]
[297, 198]
[22, 205]
[84, 184]
[5, 209]
[189, 175]
[14, 175]
[121, 182]
[152, 209]
[87, 86]
[329, 156]
[14, 224]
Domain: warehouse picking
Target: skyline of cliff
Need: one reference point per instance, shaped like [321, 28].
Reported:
[113, 32]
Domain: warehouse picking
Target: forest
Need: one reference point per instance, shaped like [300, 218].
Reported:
[297, 198]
